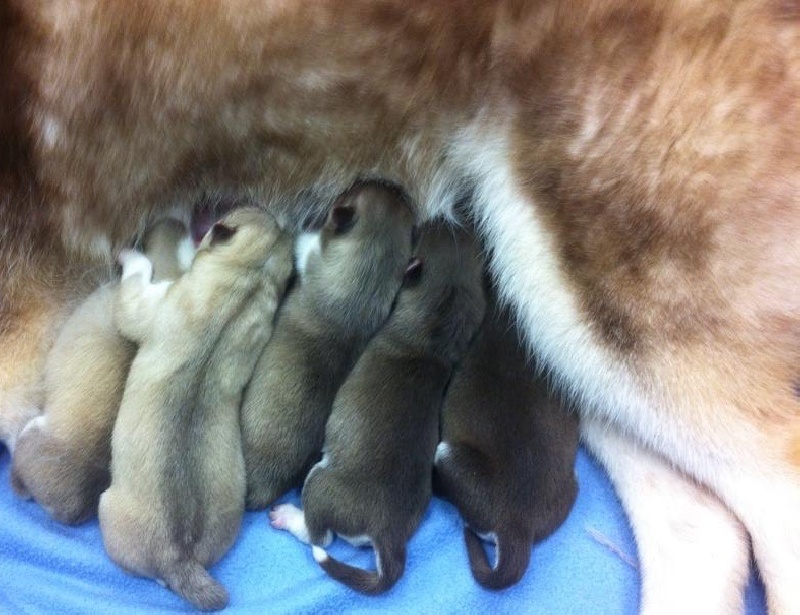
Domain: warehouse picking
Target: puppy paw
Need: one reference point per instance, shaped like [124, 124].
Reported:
[282, 515]
[135, 263]
[290, 518]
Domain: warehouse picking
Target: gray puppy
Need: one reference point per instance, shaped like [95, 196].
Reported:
[348, 275]
[177, 491]
[62, 457]
[507, 456]
[374, 481]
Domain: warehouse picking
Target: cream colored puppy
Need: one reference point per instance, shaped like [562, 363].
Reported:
[177, 491]
[62, 456]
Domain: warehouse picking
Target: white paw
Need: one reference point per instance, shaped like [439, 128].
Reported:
[282, 516]
[442, 451]
[290, 518]
[135, 263]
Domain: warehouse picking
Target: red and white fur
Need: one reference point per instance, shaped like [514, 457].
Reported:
[635, 171]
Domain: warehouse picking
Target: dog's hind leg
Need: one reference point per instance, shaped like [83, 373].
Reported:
[693, 553]
[764, 491]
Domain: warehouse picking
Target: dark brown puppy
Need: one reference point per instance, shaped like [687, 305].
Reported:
[507, 455]
[347, 277]
[62, 457]
[374, 481]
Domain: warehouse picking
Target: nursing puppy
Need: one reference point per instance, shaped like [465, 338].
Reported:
[507, 455]
[348, 274]
[177, 476]
[374, 481]
[635, 171]
[62, 457]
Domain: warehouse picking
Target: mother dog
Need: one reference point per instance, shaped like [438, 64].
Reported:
[634, 168]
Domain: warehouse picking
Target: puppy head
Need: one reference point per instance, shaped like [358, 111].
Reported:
[355, 263]
[441, 303]
[369, 213]
[243, 237]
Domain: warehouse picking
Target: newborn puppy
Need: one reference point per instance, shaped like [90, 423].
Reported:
[374, 481]
[177, 491]
[507, 455]
[348, 276]
[62, 456]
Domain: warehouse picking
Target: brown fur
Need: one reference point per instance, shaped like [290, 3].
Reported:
[374, 481]
[343, 293]
[177, 490]
[653, 146]
[507, 453]
[62, 460]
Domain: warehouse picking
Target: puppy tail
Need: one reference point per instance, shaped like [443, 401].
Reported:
[513, 556]
[191, 581]
[390, 563]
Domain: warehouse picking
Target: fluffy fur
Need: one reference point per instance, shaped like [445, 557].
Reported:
[62, 457]
[507, 455]
[374, 480]
[177, 475]
[635, 167]
[348, 274]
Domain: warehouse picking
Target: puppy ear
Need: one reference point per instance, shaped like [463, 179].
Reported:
[413, 270]
[221, 233]
[343, 218]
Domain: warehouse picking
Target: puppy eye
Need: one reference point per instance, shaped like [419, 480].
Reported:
[343, 218]
[221, 233]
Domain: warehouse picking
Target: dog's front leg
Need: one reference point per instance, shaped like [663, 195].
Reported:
[693, 553]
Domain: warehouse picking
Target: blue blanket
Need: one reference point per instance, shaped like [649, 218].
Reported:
[587, 566]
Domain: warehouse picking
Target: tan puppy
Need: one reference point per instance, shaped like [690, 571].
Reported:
[507, 455]
[177, 490]
[62, 457]
[635, 171]
[348, 276]
[374, 481]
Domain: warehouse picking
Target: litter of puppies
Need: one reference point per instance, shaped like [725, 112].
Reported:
[388, 354]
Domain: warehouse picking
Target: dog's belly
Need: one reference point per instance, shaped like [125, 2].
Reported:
[524, 259]
[675, 395]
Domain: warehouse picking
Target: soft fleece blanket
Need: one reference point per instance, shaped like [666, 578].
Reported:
[587, 567]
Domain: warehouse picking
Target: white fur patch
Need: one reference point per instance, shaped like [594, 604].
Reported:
[362, 540]
[51, 131]
[442, 451]
[305, 246]
[320, 554]
[38, 422]
[490, 537]
[324, 462]
[290, 518]
[185, 253]
[525, 261]
[135, 263]
[693, 553]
